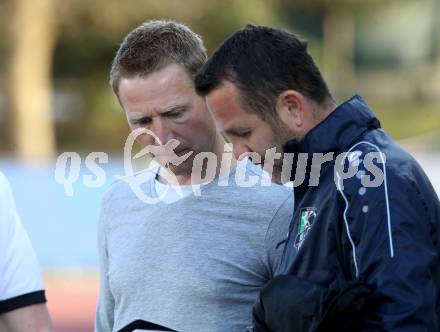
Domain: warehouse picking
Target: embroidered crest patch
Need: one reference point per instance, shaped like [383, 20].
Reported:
[306, 218]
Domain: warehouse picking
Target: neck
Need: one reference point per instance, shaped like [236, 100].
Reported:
[319, 114]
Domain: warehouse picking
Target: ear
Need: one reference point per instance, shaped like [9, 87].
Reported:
[290, 108]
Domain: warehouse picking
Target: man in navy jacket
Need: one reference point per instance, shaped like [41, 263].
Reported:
[363, 247]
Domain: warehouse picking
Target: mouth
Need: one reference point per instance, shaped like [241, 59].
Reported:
[172, 156]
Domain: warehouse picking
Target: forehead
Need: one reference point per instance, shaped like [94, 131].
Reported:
[160, 89]
[225, 104]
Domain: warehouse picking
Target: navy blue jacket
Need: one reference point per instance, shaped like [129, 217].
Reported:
[386, 236]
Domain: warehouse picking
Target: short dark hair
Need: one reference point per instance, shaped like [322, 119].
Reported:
[154, 45]
[262, 62]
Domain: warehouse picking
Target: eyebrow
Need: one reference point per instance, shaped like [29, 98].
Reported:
[139, 116]
[174, 108]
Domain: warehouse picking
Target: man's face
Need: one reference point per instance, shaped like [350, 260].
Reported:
[165, 102]
[247, 131]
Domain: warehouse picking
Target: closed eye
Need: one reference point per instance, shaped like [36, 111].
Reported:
[142, 121]
[244, 134]
[238, 133]
[174, 113]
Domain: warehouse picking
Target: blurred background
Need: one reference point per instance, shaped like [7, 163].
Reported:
[54, 97]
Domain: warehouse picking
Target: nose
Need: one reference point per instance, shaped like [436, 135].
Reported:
[162, 130]
[239, 149]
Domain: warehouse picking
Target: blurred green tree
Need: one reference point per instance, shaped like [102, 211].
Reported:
[77, 39]
[338, 32]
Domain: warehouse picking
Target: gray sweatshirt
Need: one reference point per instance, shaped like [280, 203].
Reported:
[197, 264]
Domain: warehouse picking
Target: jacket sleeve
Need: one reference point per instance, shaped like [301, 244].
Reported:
[390, 245]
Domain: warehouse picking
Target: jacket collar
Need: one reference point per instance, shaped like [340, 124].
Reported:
[339, 130]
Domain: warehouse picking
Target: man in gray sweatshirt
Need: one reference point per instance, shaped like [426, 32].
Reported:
[187, 244]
